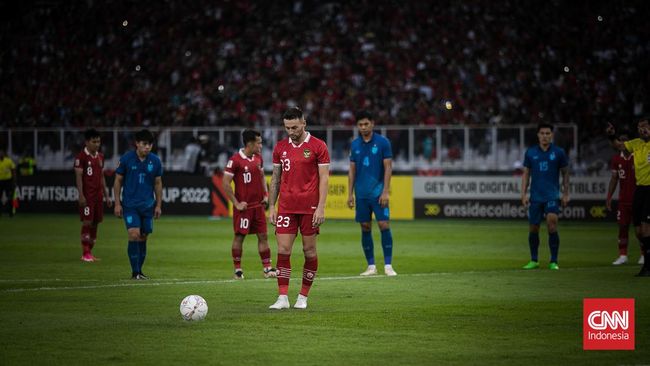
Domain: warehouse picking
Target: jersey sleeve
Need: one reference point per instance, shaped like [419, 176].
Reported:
[387, 149]
[630, 145]
[121, 166]
[231, 166]
[78, 162]
[276, 155]
[564, 162]
[527, 162]
[322, 155]
[159, 169]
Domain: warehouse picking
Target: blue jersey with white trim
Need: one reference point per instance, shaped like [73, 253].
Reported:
[368, 158]
[544, 168]
[139, 179]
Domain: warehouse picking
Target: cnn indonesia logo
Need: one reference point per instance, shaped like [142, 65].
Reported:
[608, 324]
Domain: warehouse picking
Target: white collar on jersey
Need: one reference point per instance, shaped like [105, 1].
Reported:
[243, 156]
[88, 152]
[306, 140]
[626, 157]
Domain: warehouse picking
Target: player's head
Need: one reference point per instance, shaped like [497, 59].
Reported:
[252, 141]
[143, 142]
[545, 134]
[643, 126]
[93, 140]
[294, 123]
[365, 122]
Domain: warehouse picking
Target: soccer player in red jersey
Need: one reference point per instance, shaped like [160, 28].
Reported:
[300, 176]
[246, 169]
[622, 175]
[91, 184]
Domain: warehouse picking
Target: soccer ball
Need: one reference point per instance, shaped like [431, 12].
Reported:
[194, 307]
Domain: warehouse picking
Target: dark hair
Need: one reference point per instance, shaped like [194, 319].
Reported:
[364, 114]
[249, 135]
[643, 119]
[292, 113]
[544, 125]
[144, 135]
[91, 133]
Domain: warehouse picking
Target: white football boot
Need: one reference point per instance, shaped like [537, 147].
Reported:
[301, 302]
[389, 271]
[370, 271]
[620, 260]
[281, 303]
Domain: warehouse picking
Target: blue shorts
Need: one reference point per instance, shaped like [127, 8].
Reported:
[538, 210]
[138, 217]
[366, 206]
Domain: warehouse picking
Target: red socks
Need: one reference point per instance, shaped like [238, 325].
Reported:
[308, 275]
[284, 273]
[622, 239]
[265, 255]
[93, 236]
[236, 258]
[86, 241]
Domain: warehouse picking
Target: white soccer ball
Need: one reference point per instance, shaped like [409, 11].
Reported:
[194, 307]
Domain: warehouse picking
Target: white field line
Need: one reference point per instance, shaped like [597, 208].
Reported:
[174, 281]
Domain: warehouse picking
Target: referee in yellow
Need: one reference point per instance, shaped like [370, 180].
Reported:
[640, 147]
[7, 181]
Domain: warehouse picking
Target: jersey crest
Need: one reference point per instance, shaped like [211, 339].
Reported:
[306, 153]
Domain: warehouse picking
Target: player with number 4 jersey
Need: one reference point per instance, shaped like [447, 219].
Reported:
[245, 169]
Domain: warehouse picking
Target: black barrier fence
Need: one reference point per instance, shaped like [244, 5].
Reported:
[182, 194]
[506, 209]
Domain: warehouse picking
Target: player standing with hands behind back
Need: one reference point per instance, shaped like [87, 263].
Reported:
[139, 172]
[640, 147]
[301, 176]
[246, 169]
[543, 164]
[371, 159]
[91, 184]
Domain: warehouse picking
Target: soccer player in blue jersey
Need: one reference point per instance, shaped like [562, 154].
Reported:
[543, 164]
[371, 167]
[140, 173]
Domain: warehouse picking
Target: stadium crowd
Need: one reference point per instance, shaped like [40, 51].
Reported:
[123, 63]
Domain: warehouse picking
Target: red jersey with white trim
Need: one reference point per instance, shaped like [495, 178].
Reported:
[624, 167]
[299, 182]
[93, 172]
[248, 175]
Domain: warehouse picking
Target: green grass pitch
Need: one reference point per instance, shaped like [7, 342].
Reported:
[460, 297]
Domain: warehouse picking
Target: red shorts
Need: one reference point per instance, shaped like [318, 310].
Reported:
[250, 221]
[93, 211]
[289, 223]
[624, 214]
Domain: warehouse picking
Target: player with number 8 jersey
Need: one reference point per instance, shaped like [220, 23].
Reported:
[91, 185]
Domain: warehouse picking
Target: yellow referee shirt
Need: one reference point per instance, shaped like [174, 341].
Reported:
[641, 150]
[6, 166]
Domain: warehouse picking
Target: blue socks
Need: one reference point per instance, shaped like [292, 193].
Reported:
[554, 245]
[134, 256]
[143, 252]
[387, 245]
[368, 246]
[137, 251]
[533, 243]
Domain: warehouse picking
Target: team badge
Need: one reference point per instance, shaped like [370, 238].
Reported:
[306, 153]
[246, 168]
[374, 149]
[150, 167]
[552, 156]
